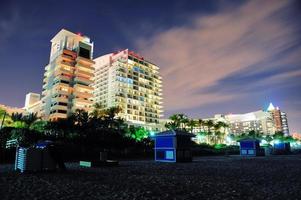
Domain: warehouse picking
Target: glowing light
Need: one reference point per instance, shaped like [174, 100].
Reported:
[271, 107]
[264, 142]
[152, 133]
[228, 139]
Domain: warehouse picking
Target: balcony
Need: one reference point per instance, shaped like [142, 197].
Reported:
[67, 64]
[82, 101]
[70, 53]
[59, 107]
[61, 92]
[67, 58]
[59, 70]
[44, 93]
[82, 94]
[62, 77]
[60, 99]
[87, 67]
[79, 87]
[83, 60]
[56, 116]
[61, 85]
[45, 79]
[82, 73]
[87, 108]
[83, 80]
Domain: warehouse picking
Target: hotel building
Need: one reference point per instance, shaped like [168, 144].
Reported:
[10, 110]
[267, 121]
[33, 103]
[280, 119]
[125, 79]
[259, 121]
[68, 76]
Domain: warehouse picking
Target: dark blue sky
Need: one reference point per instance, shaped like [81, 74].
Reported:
[216, 56]
[27, 27]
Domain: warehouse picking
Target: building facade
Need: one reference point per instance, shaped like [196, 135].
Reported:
[280, 119]
[33, 103]
[125, 79]
[68, 76]
[267, 121]
[259, 121]
[10, 110]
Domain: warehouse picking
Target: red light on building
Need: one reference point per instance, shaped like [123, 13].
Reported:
[135, 55]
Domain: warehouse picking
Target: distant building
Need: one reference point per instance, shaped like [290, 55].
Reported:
[10, 109]
[284, 121]
[259, 121]
[33, 103]
[296, 136]
[266, 122]
[280, 119]
[125, 79]
[31, 98]
[68, 76]
[263, 121]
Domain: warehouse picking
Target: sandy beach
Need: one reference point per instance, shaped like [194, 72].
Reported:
[233, 177]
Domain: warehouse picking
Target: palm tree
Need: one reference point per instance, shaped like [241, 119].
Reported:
[17, 119]
[176, 121]
[171, 125]
[110, 115]
[269, 139]
[98, 111]
[2, 117]
[191, 124]
[29, 119]
[210, 125]
[201, 123]
[112, 112]
[81, 117]
[216, 127]
[183, 121]
[220, 125]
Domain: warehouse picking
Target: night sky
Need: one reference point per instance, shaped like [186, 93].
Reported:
[215, 56]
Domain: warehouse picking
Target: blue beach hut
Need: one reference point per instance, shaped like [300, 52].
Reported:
[282, 148]
[250, 147]
[173, 146]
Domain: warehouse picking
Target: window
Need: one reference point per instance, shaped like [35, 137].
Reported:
[85, 53]
[62, 111]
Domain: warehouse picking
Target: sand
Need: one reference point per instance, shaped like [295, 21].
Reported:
[275, 177]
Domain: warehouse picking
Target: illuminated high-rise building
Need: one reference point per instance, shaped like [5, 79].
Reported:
[280, 119]
[68, 76]
[125, 79]
[267, 121]
[259, 121]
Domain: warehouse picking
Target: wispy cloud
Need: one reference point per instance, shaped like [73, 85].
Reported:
[9, 24]
[225, 55]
